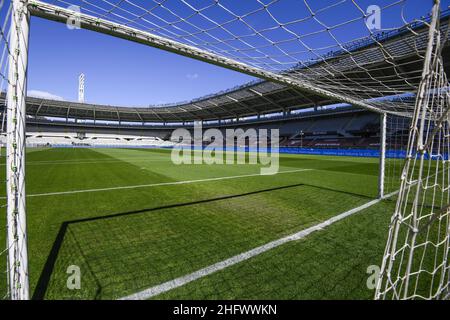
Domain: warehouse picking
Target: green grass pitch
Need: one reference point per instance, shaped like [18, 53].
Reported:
[127, 240]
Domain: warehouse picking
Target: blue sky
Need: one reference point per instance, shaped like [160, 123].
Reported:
[119, 72]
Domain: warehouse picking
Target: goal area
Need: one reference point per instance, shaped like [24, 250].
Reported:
[389, 59]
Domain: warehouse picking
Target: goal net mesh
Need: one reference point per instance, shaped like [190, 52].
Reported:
[415, 264]
[5, 16]
[397, 133]
[334, 49]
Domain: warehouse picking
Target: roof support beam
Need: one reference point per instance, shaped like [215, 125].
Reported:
[39, 108]
[157, 115]
[206, 109]
[68, 112]
[268, 99]
[304, 96]
[139, 115]
[242, 104]
[233, 114]
[196, 117]
[118, 114]
[176, 116]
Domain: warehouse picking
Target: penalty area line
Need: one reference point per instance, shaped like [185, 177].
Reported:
[160, 184]
[181, 281]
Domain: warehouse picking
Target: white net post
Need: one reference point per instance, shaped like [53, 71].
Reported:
[284, 50]
[415, 264]
[15, 156]
[381, 174]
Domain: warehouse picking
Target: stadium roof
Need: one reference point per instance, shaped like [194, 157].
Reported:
[402, 71]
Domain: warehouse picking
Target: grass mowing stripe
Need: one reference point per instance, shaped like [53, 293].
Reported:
[178, 282]
[145, 250]
[157, 184]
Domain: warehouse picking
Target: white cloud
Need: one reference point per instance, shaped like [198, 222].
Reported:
[43, 95]
[192, 76]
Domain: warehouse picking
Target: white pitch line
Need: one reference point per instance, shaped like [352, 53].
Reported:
[181, 281]
[157, 184]
[63, 162]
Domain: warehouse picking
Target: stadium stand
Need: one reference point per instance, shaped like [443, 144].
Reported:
[336, 128]
[81, 139]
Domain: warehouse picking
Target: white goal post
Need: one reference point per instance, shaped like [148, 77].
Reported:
[15, 152]
[415, 264]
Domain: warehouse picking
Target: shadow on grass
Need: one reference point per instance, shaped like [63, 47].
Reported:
[64, 232]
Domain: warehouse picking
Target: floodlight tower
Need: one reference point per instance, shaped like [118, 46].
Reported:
[81, 78]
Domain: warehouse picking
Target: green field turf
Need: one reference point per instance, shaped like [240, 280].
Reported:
[127, 240]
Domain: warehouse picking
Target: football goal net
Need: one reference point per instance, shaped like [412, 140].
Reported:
[388, 59]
